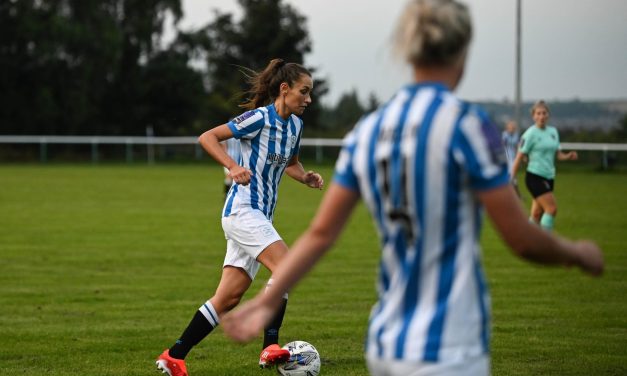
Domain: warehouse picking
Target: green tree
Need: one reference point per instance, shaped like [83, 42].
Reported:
[80, 66]
[268, 29]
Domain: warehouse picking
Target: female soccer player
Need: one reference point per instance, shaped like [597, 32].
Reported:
[425, 164]
[270, 137]
[541, 144]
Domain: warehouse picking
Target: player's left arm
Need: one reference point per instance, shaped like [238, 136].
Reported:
[296, 171]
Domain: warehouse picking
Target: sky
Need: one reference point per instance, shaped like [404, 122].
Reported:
[571, 49]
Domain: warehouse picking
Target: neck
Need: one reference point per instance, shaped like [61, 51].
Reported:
[281, 108]
[450, 75]
[447, 76]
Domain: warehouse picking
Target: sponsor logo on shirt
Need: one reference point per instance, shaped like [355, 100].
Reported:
[276, 159]
[243, 117]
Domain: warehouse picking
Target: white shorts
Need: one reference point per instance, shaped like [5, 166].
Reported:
[247, 234]
[474, 366]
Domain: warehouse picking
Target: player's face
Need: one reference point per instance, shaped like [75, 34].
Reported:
[298, 96]
[540, 116]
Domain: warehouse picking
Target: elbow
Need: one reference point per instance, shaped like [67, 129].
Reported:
[203, 137]
[520, 245]
[522, 250]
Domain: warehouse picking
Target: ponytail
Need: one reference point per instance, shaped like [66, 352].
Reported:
[265, 85]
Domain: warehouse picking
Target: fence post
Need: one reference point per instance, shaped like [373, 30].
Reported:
[43, 150]
[605, 162]
[150, 148]
[318, 153]
[94, 150]
[198, 151]
[129, 150]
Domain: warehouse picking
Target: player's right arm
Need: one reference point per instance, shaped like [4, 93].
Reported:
[530, 241]
[210, 141]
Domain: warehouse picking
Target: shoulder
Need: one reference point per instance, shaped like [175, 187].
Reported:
[250, 116]
[529, 131]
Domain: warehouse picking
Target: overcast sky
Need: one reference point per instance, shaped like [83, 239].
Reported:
[571, 48]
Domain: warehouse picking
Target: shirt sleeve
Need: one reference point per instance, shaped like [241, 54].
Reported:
[526, 142]
[344, 174]
[478, 148]
[247, 125]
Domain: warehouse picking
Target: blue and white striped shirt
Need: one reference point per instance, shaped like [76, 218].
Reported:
[416, 163]
[233, 149]
[268, 143]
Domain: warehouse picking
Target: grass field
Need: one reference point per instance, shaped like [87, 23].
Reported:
[103, 266]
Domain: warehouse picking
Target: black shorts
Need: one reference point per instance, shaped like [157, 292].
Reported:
[538, 185]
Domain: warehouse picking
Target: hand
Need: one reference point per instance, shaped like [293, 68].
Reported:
[573, 155]
[313, 180]
[589, 257]
[240, 175]
[246, 322]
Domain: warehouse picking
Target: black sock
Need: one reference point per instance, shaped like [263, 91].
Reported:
[197, 329]
[271, 332]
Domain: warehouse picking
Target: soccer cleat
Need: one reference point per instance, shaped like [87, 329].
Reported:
[170, 365]
[272, 355]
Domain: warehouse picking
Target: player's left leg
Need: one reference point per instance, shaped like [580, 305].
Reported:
[272, 353]
[549, 208]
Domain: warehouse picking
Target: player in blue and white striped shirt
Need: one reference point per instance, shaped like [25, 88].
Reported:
[269, 135]
[424, 163]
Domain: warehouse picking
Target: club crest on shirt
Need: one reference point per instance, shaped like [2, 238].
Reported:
[291, 141]
[243, 117]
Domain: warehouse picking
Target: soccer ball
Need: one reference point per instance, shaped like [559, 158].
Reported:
[304, 360]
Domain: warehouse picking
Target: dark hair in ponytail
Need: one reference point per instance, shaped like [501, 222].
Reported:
[265, 85]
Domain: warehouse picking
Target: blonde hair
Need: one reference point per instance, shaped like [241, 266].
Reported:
[433, 32]
[539, 103]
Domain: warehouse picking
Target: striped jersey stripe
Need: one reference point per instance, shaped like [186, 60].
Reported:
[268, 143]
[416, 162]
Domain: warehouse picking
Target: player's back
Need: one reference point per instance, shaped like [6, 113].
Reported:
[416, 161]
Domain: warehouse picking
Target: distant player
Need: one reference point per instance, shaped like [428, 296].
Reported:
[425, 164]
[233, 148]
[269, 134]
[540, 144]
[511, 138]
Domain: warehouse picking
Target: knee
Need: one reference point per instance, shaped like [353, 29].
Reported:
[225, 303]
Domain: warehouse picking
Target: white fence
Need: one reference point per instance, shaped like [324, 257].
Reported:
[150, 142]
[130, 141]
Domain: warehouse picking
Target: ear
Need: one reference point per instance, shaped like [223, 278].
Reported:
[283, 88]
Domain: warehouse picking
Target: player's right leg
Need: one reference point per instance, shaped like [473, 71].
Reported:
[233, 284]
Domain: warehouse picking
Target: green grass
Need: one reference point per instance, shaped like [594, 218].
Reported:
[101, 267]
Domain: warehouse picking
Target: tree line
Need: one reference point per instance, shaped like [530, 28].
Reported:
[100, 67]
[86, 67]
